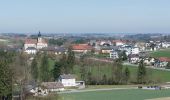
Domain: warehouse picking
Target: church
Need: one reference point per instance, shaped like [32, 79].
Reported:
[32, 45]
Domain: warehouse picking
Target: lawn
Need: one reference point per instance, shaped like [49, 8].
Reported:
[133, 94]
[161, 53]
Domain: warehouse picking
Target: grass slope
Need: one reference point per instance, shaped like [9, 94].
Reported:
[99, 71]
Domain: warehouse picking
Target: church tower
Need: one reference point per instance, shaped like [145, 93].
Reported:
[39, 37]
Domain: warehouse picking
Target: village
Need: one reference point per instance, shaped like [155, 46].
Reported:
[85, 50]
[106, 51]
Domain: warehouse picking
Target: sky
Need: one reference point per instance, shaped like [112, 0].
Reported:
[85, 16]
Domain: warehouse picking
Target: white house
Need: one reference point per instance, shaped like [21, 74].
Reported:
[134, 50]
[105, 43]
[118, 42]
[149, 61]
[114, 54]
[165, 44]
[67, 80]
[130, 49]
[133, 58]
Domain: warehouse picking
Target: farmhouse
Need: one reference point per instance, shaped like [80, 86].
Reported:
[67, 80]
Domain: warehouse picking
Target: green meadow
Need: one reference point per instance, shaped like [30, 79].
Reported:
[161, 53]
[127, 94]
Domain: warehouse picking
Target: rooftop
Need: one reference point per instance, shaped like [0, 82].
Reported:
[67, 76]
[52, 85]
[81, 47]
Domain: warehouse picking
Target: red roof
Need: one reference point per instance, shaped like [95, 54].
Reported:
[164, 59]
[30, 41]
[33, 41]
[81, 47]
[122, 41]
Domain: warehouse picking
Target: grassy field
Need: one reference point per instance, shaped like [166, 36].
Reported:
[161, 53]
[117, 95]
[99, 71]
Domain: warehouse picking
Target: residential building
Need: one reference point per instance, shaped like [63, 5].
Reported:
[162, 62]
[81, 48]
[104, 43]
[133, 58]
[108, 49]
[165, 44]
[114, 54]
[118, 42]
[130, 49]
[67, 80]
[54, 50]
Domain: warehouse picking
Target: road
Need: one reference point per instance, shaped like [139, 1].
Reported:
[135, 65]
[91, 90]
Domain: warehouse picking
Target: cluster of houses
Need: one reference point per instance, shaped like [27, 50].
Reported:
[63, 82]
[134, 50]
[156, 45]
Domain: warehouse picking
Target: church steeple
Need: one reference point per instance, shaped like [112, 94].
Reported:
[39, 37]
[39, 34]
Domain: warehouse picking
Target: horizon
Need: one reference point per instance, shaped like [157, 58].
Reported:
[88, 16]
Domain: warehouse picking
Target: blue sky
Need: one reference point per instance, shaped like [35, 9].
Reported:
[79, 16]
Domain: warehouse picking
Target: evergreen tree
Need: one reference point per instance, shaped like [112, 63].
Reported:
[124, 56]
[126, 75]
[34, 69]
[104, 79]
[70, 61]
[141, 74]
[44, 69]
[5, 75]
[89, 78]
[168, 65]
[57, 70]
